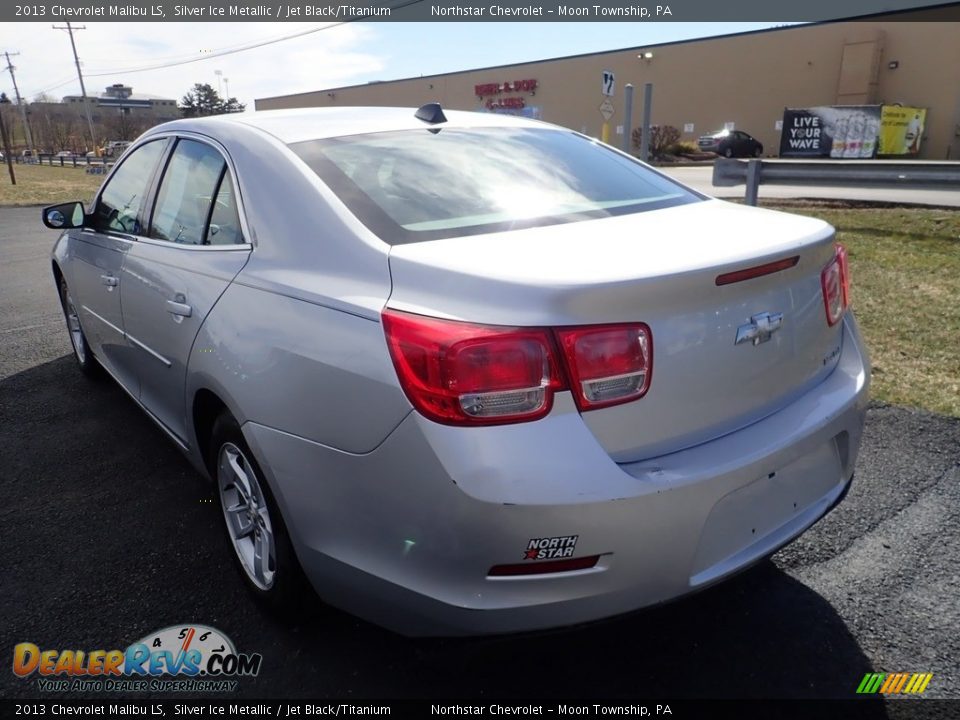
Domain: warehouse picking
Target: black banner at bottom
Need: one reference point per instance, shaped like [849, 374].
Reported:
[854, 709]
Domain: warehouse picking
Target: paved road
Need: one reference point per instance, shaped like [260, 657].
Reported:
[701, 178]
[107, 534]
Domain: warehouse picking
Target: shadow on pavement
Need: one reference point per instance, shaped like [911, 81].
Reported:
[109, 534]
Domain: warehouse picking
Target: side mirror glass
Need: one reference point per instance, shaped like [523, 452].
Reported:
[66, 215]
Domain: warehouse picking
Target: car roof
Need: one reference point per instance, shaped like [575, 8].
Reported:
[301, 124]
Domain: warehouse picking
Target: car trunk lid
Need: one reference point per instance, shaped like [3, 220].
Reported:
[660, 268]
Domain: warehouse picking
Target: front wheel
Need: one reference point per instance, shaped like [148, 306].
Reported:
[81, 348]
[254, 526]
[728, 152]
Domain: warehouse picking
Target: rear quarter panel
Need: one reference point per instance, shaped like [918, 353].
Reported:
[308, 370]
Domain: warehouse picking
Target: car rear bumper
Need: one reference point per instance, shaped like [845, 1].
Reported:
[406, 535]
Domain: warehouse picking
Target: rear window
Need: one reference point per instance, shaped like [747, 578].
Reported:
[428, 184]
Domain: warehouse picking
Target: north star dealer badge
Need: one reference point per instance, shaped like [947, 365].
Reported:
[551, 548]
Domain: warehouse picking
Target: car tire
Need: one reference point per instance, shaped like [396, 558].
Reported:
[728, 152]
[758, 151]
[78, 340]
[255, 530]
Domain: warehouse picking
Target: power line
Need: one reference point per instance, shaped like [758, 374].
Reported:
[216, 53]
[241, 48]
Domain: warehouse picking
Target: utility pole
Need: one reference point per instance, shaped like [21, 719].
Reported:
[23, 110]
[83, 90]
[3, 138]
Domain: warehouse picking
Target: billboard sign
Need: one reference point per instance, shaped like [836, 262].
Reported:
[844, 131]
[901, 130]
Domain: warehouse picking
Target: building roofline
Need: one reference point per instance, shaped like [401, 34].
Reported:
[873, 17]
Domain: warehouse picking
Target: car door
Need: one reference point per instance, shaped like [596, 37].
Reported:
[736, 143]
[96, 256]
[194, 248]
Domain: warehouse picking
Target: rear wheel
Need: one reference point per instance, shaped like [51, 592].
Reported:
[255, 529]
[758, 151]
[728, 152]
[81, 349]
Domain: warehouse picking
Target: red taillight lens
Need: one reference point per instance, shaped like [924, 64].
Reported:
[460, 373]
[607, 364]
[835, 282]
[464, 374]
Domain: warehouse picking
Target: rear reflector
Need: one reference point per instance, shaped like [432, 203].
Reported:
[757, 271]
[544, 567]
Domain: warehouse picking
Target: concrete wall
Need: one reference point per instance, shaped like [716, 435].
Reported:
[746, 79]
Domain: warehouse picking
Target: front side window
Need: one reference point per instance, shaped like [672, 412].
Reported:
[122, 199]
[185, 200]
[427, 184]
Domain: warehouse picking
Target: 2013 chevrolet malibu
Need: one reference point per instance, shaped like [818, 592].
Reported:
[468, 373]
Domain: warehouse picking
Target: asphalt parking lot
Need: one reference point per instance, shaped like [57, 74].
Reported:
[107, 534]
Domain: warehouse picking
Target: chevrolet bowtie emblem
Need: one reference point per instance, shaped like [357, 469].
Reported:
[759, 329]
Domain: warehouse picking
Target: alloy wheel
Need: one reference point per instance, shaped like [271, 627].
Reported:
[247, 516]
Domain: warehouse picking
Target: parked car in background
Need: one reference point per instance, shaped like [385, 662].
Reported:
[467, 372]
[65, 154]
[731, 143]
[115, 148]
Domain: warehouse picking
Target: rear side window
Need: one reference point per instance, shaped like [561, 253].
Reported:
[191, 192]
[122, 198]
[427, 184]
[224, 228]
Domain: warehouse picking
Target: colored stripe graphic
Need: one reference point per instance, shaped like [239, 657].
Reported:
[871, 683]
[894, 683]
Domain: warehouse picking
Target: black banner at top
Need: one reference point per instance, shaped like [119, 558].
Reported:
[338, 11]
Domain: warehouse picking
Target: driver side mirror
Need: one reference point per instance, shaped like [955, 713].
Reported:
[64, 216]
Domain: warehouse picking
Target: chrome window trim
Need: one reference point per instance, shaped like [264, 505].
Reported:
[188, 246]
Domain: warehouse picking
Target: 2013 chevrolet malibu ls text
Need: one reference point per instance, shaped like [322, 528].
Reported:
[468, 373]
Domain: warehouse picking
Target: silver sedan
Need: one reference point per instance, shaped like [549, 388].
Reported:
[467, 373]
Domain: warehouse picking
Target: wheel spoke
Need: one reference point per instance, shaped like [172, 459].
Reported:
[244, 530]
[244, 500]
[240, 475]
[264, 516]
[258, 547]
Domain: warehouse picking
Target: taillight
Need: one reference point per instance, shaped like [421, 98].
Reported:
[608, 364]
[460, 373]
[464, 374]
[835, 282]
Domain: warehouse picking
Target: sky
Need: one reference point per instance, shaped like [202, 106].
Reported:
[319, 56]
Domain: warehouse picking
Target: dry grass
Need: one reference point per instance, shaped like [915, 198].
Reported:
[44, 185]
[905, 268]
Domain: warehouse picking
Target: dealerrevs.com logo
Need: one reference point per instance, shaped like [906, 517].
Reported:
[179, 658]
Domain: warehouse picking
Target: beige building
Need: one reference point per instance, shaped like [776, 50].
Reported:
[704, 85]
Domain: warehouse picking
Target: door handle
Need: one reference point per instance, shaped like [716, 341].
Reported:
[109, 280]
[177, 308]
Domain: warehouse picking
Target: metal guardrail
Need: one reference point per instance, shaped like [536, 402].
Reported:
[835, 173]
[60, 161]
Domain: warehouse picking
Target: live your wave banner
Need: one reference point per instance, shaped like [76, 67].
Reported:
[852, 131]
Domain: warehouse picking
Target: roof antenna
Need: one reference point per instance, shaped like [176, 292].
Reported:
[431, 113]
